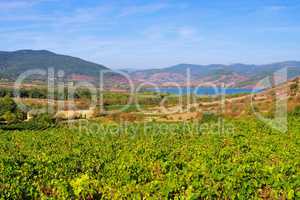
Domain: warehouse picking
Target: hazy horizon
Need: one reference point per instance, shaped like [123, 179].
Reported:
[153, 67]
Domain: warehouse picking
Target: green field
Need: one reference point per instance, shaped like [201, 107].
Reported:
[247, 160]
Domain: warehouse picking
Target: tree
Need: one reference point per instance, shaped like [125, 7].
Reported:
[7, 104]
[9, 111]
[9, 117]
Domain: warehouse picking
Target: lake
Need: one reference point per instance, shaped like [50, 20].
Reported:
[202, 90]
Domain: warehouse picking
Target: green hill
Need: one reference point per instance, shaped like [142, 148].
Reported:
[12, 64]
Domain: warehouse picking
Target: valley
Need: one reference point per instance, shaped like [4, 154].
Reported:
[149, 100]
[77, 140]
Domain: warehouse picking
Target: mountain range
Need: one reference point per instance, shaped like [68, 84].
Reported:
[12, 64]
[235, 75]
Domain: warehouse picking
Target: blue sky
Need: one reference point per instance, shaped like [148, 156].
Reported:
[146, 34]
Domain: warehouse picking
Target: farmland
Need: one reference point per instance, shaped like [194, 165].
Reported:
[208, 149]
[247, 160]
[149, 100]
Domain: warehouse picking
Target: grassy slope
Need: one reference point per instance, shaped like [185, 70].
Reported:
[14, 63]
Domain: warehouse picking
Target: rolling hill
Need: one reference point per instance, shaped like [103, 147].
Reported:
[235, 75]
[12, 64]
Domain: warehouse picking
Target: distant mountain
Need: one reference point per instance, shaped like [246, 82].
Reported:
[12, 64]
[128, 70]
[235, 75]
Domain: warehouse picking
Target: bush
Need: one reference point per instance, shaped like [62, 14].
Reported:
[294, 88]
[9, 111]
[40, 122]
[296, 111]
[209, 117]
[9, 117]
[7, 104]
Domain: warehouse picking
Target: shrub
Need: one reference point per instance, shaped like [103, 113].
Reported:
[9, 117]
[9, 111]
[209, 117]
[296, 111]
[294, 88]
[7, 104]
[40, 122]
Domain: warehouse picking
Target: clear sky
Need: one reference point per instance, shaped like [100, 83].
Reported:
[145, 34]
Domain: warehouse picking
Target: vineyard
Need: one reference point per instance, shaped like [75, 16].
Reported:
[246, 160]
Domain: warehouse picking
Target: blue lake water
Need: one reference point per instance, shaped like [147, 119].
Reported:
[202, 90]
